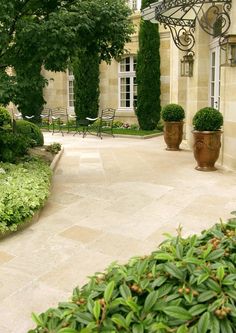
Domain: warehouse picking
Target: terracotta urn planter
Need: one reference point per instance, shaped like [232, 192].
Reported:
[173, 134]
[206, 149]
[207, 138]
[173, 115]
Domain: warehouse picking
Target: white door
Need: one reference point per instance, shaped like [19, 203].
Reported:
[215, 78]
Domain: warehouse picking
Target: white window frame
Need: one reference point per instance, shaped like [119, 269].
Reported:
[214, 76]
[134, 4]
[131, 74]
[70, 80]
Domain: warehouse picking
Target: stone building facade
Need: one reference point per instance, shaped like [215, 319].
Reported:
[213, 82]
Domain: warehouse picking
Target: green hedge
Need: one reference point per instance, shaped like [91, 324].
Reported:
[31, 131]
[24, 188]
[185, 286]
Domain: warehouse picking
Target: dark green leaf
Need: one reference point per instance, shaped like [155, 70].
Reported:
[150, 301]
[125, 291]
[225, 326]
[202, 278]
[119, 320]
[215, 255]
[213, 285]
[137, 328]
[197, 309]
[203, 323]
[174, 271]
[214, 324]
[177, 312]
[206, 295]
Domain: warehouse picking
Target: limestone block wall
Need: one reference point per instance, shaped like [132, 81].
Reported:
[55, 93]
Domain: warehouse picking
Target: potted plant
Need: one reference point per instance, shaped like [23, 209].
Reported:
[173, 115]
[207, 132]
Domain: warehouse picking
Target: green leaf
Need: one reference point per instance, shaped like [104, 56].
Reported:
[220, 273]
[84, 317]
[206, 295]
[202, 278]
[159, 281]
[213, 285]
[203, 323]
[164, 290]
[133, 306]
[108, 291]
[207, 251]
[38, 321]
[229, 280]
[231, 293]
[225, 326]
[150, 301]
[214, 324]
[174, 271]
[177, 312]
[125, 291]
[215, 255]
[179, 251]
[67, 330]
[137, 328]
[97, 310]
[182, 329]
[197, 309]
[119, 320]
[164, 256]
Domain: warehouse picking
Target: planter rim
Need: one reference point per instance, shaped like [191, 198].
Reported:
[176, 121]
[207, 132]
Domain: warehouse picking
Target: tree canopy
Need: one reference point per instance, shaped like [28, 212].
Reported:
[50, 32]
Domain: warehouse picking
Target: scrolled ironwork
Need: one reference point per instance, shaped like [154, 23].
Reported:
[180, 17]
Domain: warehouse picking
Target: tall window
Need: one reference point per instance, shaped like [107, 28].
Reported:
[127, 82]
[71, 99]
[134, 4]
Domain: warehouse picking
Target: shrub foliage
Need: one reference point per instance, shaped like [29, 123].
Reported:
[30, 131]
[5, 117]
[24, 188]
[207, 119]
[172, 112]
[13, 146]
[185, 286]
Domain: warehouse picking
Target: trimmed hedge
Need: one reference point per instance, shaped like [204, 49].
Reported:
[24, 187]
[185, 286]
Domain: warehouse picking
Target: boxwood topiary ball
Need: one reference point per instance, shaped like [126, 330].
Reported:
[207, 119]
[172, 112]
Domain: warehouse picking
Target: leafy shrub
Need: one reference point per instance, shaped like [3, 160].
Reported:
[12, 146]
[31, 131]
[24, 188]
[134, 127]
[207, 119]
[5, 117]
[172, 112]
[117, 124]
[185, 286]
[54, 148]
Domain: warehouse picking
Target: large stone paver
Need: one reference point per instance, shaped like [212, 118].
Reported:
[111, 199]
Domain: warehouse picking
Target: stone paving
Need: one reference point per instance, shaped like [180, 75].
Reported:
[111, 199]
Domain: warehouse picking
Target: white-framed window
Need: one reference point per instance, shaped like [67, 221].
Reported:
[214, 89]
[127, 82]
[70, 88]
[134, 4]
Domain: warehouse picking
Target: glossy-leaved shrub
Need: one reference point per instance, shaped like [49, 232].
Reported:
[188, 285]
[31, 131]
[24, 187]
[13, 146]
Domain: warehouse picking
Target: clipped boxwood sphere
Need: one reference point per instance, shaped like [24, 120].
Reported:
[30, 130]
[5, 117]
[172, 112]
[207, 119]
